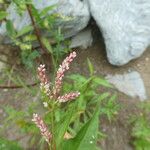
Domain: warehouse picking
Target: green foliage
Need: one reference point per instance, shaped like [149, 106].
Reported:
[79, 118]
[86, 138]
[25, 30]
[91, 68]
[141, 128]
[28, 37]
[28, 57]
[110, 107]
[3, 15]
[18, 117]
[10, 29]
[9, 145]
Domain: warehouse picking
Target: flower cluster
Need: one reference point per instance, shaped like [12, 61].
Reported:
[53, 93]
[68, 97]
[45, 86]
[60, 73]
[43, 128]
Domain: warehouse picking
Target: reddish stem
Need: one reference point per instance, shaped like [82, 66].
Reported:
[36, 29]
[17, 86]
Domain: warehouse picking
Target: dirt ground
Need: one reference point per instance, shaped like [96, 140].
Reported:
[118, 131]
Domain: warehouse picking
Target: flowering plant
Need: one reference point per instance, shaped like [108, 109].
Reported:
[63, 114]
[66, 124]
[54, 97]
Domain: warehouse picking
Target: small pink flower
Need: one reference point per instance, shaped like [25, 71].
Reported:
[45, 86]
[43, 128]
[42, 74]
[60, 73]
[68, 97]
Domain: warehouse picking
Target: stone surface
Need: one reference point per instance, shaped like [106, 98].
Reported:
[129, 83]
[83, 39]
[125, 25]
[74, 15]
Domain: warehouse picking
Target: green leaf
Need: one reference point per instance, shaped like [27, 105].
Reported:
[3, 15]
[24, 30]
[9, 145]
[1, 1]
[110, 107]
[86, 84]
[86, 138]
[29, 38]
[91, 67]
[63, 126]
[104, 96]
[34, 55]
[100, 98]
[77, 77]
[35, 14]
[45, 11]
[47, 45]
[102, 82]
[10, 29]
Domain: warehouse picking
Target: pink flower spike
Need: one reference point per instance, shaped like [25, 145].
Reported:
[68, 97]
[60, 73]
[42, 74]
[43, 128]
[44, 80]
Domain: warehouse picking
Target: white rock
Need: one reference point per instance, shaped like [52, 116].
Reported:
[125, 25]
[75, 15]
[83, 39]
[129, 83]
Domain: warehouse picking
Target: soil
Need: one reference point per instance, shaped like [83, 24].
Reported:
[118, 131]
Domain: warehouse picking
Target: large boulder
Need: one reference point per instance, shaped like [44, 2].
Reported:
[75, 15]
[125, 25]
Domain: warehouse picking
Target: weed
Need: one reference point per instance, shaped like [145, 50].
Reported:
[7, 145]
[141, 128]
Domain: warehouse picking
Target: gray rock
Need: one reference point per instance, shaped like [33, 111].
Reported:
[74, 15]
[129, 83]
[125, 25]
[83, 39]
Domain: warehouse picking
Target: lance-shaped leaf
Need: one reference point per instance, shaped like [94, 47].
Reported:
[86, 138]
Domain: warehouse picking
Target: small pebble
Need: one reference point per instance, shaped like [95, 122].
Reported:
[1, 111]
[5, 90]
[138, 65]
[146, 59]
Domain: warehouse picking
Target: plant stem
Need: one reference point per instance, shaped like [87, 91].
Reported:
[38, 34]
[36, 29]
[53, 146]
[17, 86]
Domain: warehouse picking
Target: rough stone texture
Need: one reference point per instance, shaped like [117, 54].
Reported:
[125, 25]
[75, 15]
[129, 83]
[83, 39]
